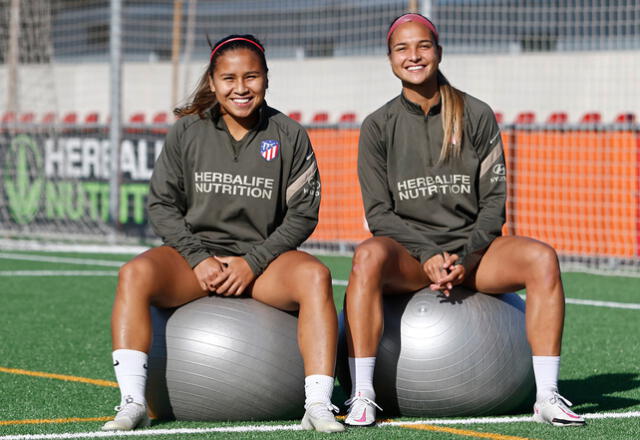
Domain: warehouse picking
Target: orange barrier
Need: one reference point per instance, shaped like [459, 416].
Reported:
[341, 211]
[576, 190]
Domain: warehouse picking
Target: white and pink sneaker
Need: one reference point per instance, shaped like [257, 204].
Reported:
[362, 410]
[555, 411]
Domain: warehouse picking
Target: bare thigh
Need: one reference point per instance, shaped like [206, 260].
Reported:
[165, 275]
[399, 272]
[506, 264]
[287, 278]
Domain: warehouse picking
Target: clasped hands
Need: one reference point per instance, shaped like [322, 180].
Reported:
[227, 276]
[443, 272]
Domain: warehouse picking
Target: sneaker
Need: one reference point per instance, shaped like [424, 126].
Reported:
[362, 411]
[130, 416]
[319, 416]
[555, 411]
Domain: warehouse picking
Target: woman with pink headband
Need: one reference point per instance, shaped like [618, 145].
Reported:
[432, 173]
[234, 192]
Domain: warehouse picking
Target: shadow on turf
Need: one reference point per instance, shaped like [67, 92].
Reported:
[593, 394]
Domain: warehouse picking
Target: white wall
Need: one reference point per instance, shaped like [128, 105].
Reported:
[573, 82]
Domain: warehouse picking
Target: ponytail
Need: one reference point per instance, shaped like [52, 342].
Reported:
[452, 119]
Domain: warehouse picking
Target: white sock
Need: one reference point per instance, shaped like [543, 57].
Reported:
[318, 388]
[545, 370]
[361, 370]
[131, 372]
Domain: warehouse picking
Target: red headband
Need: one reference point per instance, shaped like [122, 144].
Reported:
[413, 17]
[234, 39]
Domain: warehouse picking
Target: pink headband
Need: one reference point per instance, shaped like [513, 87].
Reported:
[234, 39]
[413, 17]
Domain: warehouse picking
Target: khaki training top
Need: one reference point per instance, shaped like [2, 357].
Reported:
[255, 198]
[429, 208]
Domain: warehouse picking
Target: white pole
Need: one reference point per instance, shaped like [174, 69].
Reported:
[188, 47]
[13, 57]
[175, 49]
[115, 126]
[426, 9]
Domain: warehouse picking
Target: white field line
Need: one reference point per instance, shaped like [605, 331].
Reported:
[271, 428]
[91, 262]
[149, 432]
[592, 302]
[613, 272]
[26, 245]
[51, 259]
[615, 305]
[508, 419]
[58, 273]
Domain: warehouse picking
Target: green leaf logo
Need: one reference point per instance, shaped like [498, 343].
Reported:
[23, 179]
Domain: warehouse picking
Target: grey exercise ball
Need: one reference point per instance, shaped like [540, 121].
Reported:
[225, 359]
[466, 355]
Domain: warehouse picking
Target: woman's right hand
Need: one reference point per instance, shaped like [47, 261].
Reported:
[434, 268]
[455, 274]
[210, 274]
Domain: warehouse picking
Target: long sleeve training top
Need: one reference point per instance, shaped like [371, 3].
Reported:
[458, 206]
[255, 198]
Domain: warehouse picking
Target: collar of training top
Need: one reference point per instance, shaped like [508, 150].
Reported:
[214, 114]
[412, 107]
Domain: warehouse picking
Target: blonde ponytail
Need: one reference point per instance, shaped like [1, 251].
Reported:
[452, 119]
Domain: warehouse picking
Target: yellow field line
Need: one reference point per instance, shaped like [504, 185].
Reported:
[67, 420]
[99, 382]
[107, 383]
[463, 432]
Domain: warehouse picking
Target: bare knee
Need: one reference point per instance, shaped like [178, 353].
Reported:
[369, 259]
[543, 263]
[314, 279]
[136, 277]
[315, 274]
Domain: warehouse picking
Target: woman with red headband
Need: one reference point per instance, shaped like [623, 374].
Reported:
[432, 173]
[235, 191]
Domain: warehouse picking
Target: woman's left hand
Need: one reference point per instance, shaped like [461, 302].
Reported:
[455, 275]
[240, 276]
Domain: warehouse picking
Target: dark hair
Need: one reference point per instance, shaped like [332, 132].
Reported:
[202, 97]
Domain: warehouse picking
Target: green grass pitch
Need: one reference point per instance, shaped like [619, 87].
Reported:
[60, 324]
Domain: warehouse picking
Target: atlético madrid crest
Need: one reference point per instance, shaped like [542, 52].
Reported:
[269, 150]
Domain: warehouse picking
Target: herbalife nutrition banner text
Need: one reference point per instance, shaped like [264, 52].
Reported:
[65, 178]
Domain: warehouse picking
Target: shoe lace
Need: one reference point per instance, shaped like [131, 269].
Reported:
[558, 398]
[323, 410]
[127, 400]
[360, 400]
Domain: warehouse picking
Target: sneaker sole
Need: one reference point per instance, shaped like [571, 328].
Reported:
[144, 423]
[353, 425]
[308, 426]
[558, 422]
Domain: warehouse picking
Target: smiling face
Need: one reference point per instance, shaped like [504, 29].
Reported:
[239, 82]
[414, 54]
